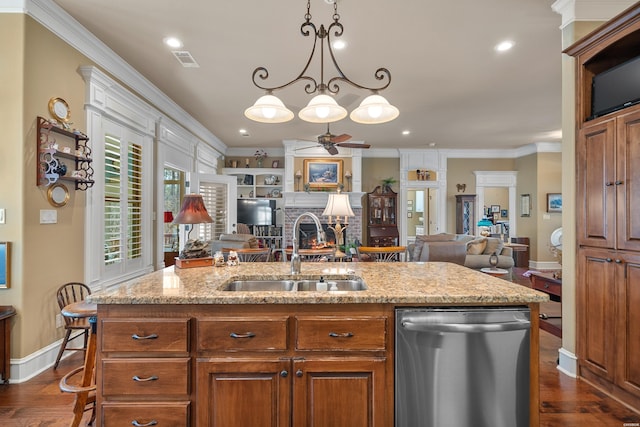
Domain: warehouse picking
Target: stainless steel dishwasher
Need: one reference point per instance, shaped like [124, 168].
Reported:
[462, 367]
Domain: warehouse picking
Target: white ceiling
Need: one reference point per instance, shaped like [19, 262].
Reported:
[450, 85]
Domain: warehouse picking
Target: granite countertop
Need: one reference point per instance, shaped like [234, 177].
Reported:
[388, 283]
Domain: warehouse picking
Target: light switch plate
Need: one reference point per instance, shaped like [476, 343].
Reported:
[2, 213]
[48, 216]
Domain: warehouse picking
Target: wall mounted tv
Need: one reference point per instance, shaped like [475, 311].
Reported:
[256, 212]
[616, 88]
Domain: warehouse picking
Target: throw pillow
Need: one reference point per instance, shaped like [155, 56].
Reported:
[477, 246]
[494, 244]
[421, 239]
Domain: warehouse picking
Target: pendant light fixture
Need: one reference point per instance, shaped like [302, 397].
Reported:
[322, 108]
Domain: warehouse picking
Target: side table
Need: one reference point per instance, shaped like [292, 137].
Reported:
[545, 282]
[6, 313]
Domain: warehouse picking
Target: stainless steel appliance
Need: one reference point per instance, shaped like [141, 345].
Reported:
[462, 367]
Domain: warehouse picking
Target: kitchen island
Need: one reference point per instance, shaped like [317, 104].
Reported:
[175, 348]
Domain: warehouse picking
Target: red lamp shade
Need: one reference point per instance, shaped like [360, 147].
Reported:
[168, 216]
[192, 211]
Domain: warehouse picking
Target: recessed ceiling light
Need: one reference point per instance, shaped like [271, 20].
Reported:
[339, 44]
[243, 132]
[432, 144]
[406, 132]
[172, 42]
[504, 46]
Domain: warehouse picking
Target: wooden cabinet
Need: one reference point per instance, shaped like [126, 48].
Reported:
[53, 151]
[382, 213]
[238, 366]
[465, 213]
[608, 225]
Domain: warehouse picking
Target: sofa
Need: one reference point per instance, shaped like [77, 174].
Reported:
[233, 241]
[470, 251]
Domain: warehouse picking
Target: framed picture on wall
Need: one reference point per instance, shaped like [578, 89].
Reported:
[323, 173]
[525, 205]
[495, 208]
[554, 202]
[504, 213]
[5, 265]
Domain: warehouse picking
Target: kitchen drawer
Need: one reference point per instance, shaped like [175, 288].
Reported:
[243, 334]
[145, 376]
[161, 414]
[145, 335]
[547, 286]
[341, 333]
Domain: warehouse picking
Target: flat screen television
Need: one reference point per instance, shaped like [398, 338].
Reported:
[256, 212]
[616, 88]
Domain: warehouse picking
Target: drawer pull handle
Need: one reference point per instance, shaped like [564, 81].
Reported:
[151, 378]
[344, 335]
[546, 286]
[150, 423]
[148, 337]
[299, 373]
[609, 184]
[245, 335]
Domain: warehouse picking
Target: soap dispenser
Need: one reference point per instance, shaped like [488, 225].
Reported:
[321, 285]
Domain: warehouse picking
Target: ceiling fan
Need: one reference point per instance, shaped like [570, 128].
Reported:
[330, 142]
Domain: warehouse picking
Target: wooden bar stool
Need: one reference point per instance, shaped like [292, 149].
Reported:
[85, 391]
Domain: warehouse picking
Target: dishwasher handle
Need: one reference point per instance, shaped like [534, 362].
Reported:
[467, 327]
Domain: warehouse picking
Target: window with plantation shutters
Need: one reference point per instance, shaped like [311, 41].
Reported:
[215, 196]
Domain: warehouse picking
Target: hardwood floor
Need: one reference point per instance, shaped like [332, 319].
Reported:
[565, 402]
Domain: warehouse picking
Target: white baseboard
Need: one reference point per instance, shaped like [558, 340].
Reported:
[37, 362]
[544, 265]
[568, 363]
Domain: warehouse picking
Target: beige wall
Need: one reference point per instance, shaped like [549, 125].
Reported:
[374, 170]
[45, 256]
[527, 167]
[549, 181]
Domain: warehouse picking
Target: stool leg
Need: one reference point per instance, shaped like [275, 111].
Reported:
[87, 376]
[63, 347]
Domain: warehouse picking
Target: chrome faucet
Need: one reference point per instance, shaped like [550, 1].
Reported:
[295, 257]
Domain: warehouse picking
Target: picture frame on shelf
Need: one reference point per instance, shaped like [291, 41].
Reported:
[554, 202]
[275, 164]
[323, 173]
[248, 180]
[495, 208]
[5, 265]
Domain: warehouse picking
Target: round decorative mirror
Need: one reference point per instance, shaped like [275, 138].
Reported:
[58, 195]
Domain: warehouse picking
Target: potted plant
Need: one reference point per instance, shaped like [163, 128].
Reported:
[387, 183]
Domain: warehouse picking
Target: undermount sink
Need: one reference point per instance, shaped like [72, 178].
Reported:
[288, 285]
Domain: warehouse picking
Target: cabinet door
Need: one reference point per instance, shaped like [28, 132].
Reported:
[339, 392]
[596, 312]
[628, 338]
[254, 393]
[596, 189]
[628, 181]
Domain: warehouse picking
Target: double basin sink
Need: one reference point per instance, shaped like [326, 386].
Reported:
[291, 285]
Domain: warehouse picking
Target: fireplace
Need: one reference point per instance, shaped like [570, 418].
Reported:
[308, 238]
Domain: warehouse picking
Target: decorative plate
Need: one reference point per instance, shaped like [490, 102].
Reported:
[275, 193]
[556, 238]
[59, 110]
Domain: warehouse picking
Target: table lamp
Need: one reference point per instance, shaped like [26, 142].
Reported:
[193, 211]
[338, 205]
[484, 226]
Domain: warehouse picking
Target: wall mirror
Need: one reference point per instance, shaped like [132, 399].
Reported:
[58, 195]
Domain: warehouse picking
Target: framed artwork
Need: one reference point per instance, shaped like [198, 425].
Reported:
[525, 205]
[323, 173]
[5, 265]
[248, 180]
[409, 215]
[495, 208]
[275, 164]
[504, 213]
[554, 202]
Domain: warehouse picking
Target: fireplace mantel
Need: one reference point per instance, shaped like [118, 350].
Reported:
[316, 199]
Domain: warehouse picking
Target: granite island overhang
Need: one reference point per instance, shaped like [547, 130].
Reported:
[388, 283]
[174, 347]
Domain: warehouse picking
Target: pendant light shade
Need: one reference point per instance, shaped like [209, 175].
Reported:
[374, 109]
[269, 109]
[322, 109]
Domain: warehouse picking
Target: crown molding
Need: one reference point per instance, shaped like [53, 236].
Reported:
[589, 10]
[60, 23]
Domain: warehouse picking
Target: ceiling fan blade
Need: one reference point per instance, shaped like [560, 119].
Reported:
[353, 145]
[332, 149]
[304, 148]
[340, 138]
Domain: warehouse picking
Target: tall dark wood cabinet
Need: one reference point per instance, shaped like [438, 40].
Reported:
[608, 224]
[465, 213]
[382, 217]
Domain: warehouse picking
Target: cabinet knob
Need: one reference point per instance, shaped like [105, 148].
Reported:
[546, 286]
[284, 374]
[299, 373]
[609, 184]
[619, 182]
[619, 261]
[608, 259]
